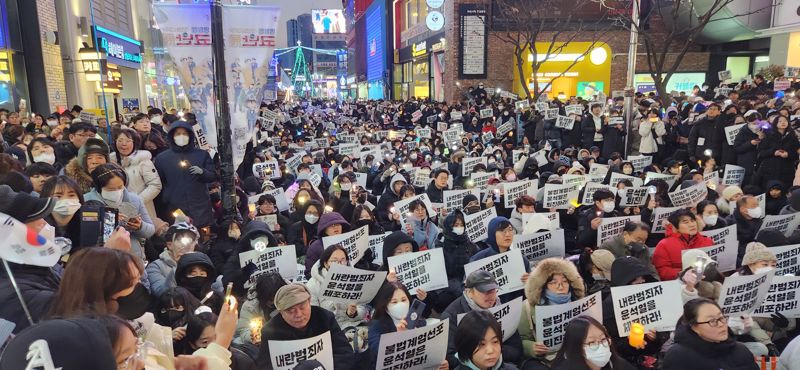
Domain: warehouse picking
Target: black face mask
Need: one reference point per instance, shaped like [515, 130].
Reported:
[637, 249]
[134, 305]
[215, 197]
[171, 318]
[194, 284]
[362, 223]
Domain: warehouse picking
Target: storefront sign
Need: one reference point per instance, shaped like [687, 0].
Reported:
[121, 50]
[419, 48]
[473, 37]
[434, 20]
[113, 80]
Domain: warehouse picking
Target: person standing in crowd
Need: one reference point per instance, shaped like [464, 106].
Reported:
[776, 153]
[91, 154]
[704, 134]
[79, 133]
[185, 173]
[143, 178]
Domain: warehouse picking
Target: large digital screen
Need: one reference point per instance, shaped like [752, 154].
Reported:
[680, 82]
[328, 21]
[590, 88]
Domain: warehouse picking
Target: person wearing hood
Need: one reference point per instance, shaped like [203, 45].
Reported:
[590, 218]
[627, 271]
[729, 196]
[746, 144]
[255, 236]
[776, 199]
[347, 315]
[632, 242]
[143, 178]
[90, 155]
[682, 233]
[587, 346]
[457, 250]
[304, 232]
[196, 273]
[384, 209]
[747, 218]
[500, 237]
[703, 341]
[181, 238]
[185, 171]
[110, 189]
[330, 224]
[793, 204]
[298, 319]
[477, 344]
[436, 188]
[554, 281]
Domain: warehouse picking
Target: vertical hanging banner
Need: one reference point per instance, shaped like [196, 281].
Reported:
[186, 31]
[250, 35]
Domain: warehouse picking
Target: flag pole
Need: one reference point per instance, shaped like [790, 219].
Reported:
[19, 293]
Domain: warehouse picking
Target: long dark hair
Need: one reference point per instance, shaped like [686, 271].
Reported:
[472, 330]
[266, 287]
[571, 355]
[194, 329]
[384, 296]
[49, 186]
[103, 173]
[130, 134]
[175, 297]
[328, 252]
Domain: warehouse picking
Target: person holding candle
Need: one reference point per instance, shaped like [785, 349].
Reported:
[703, 341]
[588, 346]
[181, 238]
[589, 220]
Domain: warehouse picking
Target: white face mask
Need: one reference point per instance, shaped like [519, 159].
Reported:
[67, 207]
[710, 220]
[599, 356]
[181, 140]
[627, 171]
[156, 119]
[48, 158]
[311, 219]
[398, 311]
[347, 186]
[598, 277]
[511, 177]
[408, 167]
[608, 206]
[754, 212]
[762, 270]
[52, 123]
[113, 196]
[458, 230]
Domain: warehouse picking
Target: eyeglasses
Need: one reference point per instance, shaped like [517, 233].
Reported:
[557, 283]
[596, 344]
[715, 322]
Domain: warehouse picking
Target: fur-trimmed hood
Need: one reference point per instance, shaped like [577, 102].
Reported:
[542, 273]
[75, 171]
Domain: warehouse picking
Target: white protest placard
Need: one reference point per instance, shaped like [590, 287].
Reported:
[469, 163]
[420, 270]
[541, 245]
[780, 85]
[486, 113]
[294, 161]
[280, 198]
[786, 224]
[267, 170]
[416, 115]
[422, 177]
[476, 225]
[349, 149]
[639, 162]
[669, 179]
[723, 254]
[552, 320]
[200, 135]
[724, 75]
[441, 126]
[361, 179]
[487, 137]
[453, 199]
[517, 189]
[790, 72]
[540, 157]
[481, 179]
[522, 105]
[591, 188]
[559, 196]
[633, 197]
[507, 315]
[315, 179]
[690, 196]
[742, 294]
[616, 120]
[506, 267]
[345, 284]
[616, 177]
[458, 126]
[782, 297]
[424, 133]
[354, 242]
[660, 214]
[657, 306]
[711, 179]
[565, 122]
[788, 259]
[274, 259]
[347, 139]
[420, 348]
[455, 116]
[732, 131]
[505, 128]
[541, 107]
[574, 109]
[573, 179]
[598, 169]
[270, 220]
[403, 207]
[733, 175]
[611, 227]
[376, 245]
[287, 354]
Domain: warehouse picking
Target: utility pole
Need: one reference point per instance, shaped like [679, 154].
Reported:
[629, 85]
[223, 113]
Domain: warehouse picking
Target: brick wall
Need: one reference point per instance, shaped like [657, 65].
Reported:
[51, 55]
[501, 66]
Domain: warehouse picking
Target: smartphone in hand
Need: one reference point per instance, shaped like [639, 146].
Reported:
[414, 313]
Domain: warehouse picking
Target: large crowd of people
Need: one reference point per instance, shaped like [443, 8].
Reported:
[152, 272]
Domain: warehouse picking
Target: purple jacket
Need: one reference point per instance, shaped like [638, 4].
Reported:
[315, 249]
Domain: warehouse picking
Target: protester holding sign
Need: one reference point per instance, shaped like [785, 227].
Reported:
[477, 343]
[588, 345]
[700, 277]
[329, 224]
[421, 227]
[553, 281]
[390, 315]
[702, 341]
[501, 236]
[682, 233]
[458, 250]
[748, 219]
[298, 319]
[346, 314]
[255, 236]
[632, 242]
[590, 219]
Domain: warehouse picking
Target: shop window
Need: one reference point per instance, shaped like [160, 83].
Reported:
[739, 67]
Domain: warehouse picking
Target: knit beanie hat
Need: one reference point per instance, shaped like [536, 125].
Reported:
[603, 259]
[691, 256]
[757, 252]
[730, 192]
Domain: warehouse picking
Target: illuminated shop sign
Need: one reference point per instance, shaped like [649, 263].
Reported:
[121, 50]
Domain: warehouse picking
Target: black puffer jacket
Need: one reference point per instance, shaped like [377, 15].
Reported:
[690, 352]
[746, 231]
[38, 286]
[457, 249]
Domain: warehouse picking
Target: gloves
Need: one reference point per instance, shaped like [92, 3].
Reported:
[773, 350]
[779, 320]
[689, 278]
[194, 170]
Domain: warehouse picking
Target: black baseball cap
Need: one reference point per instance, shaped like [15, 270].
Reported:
[482, 280]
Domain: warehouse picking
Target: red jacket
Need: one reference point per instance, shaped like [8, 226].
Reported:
[667, 257]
